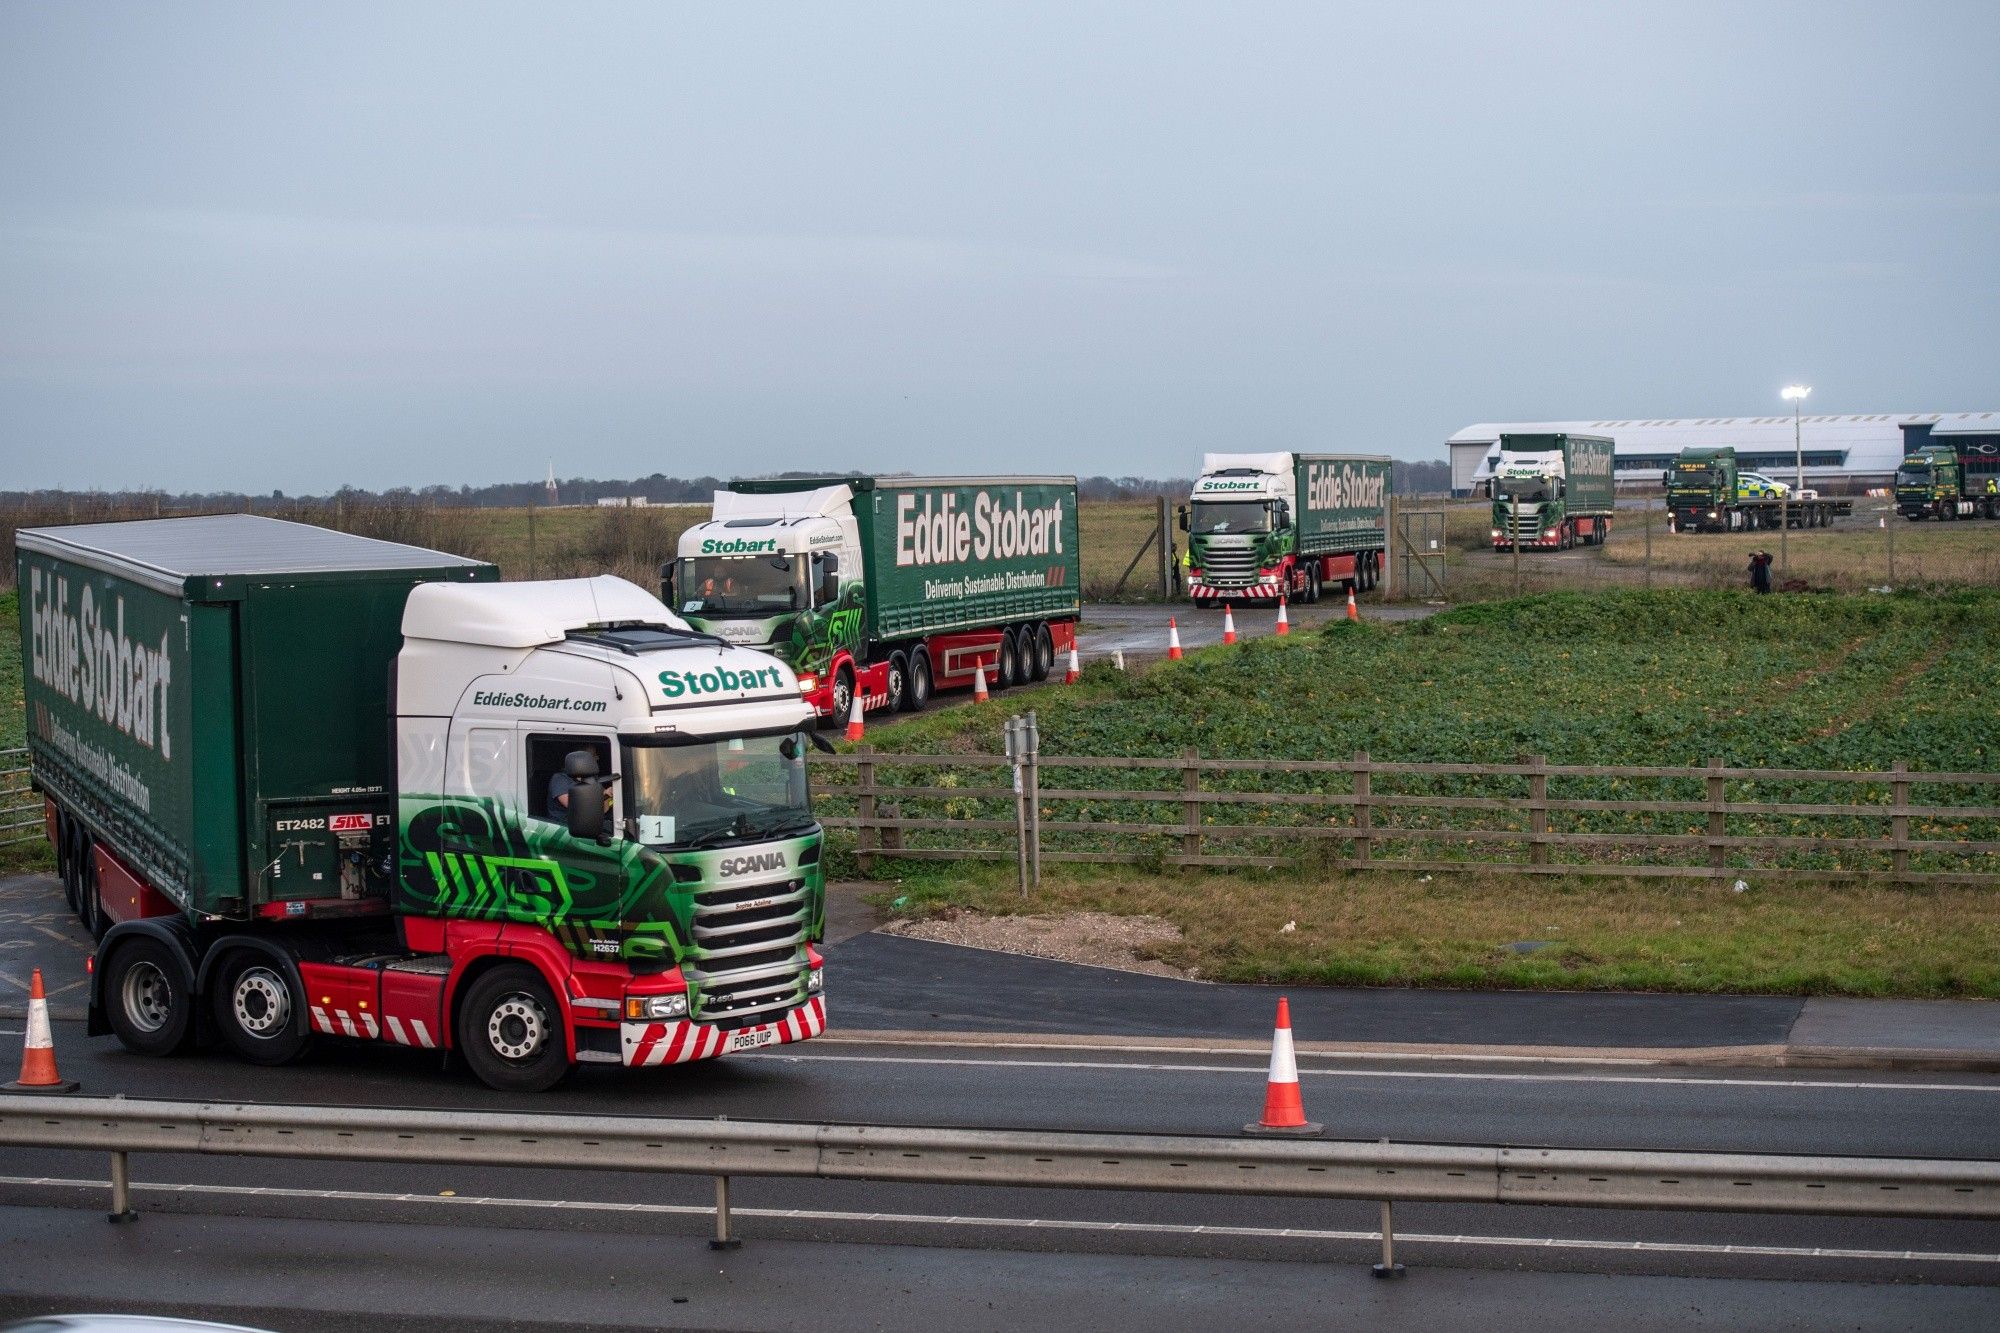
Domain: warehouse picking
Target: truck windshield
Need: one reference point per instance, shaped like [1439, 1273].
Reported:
[1913, 474]
[762, 585]
[707, 793]
[1210, 517]
[1523, 488]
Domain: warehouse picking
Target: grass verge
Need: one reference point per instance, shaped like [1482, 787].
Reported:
[1521, 933]
[31, 853]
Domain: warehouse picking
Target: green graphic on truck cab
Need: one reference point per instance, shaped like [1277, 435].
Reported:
[817, 635]
[476, 858]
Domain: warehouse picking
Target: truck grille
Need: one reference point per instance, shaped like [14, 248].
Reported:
[1527, 523]
[748, 958]
[1231, 566]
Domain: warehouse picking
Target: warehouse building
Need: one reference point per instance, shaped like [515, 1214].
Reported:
[1843, 454]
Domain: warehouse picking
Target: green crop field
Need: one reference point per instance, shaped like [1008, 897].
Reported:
[31, 853]
[1668, 678]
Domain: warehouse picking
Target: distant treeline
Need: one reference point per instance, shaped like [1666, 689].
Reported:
[1411, 479]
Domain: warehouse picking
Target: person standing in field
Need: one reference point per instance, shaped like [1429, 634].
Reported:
[1760, 571]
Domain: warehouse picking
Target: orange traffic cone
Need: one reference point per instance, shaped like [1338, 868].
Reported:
[1075, 671]
[1228, 624]
[854, 718]
[1284, 1113]
[38, 1058]
[1173, 640]
[1353, 612]
[979, 694]
[1284, 622]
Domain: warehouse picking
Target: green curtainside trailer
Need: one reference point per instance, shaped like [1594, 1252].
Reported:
[214, 721]
[881, 589]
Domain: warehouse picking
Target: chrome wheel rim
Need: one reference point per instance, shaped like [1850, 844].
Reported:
[518, 1027]
[262, 1003]
[147, 996]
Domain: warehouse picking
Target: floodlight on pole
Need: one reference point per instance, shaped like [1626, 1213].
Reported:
[1795, 394]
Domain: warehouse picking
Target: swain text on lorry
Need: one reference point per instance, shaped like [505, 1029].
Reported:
[86, 657]
[932, 530]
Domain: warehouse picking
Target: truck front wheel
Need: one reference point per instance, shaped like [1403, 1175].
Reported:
[146, 999]
[260, 1011]
[511, 1031]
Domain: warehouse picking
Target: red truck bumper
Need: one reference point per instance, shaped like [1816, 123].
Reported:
[643, 1044]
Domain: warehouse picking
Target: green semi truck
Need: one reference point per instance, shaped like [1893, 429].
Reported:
[1552, 492]
[1708, 492]
[887, 589]
[306, 785]
[1283, 526]
[1933, 481]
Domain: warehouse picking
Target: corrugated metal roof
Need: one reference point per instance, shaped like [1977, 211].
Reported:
[166, 552]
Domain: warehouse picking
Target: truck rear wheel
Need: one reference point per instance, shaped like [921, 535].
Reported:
[260, 1010]
[917, 694]
[146, 999]
[1045, 652]
[510, 1031]
[90, 900]
[1009, 673]
[66, 860]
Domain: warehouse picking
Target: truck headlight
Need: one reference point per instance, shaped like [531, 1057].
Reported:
[807, 684]
[815, 981]
[1496, 532]
[639, 1008]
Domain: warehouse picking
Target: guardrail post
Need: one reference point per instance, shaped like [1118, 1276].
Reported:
[723, 1240]
[866, 836]
[1718, 825]
[1388, 1267]
[1899, 825]
[1364, 814]
[121, 1189]
[1538, 809]
[1190, 810]
[1015, 732]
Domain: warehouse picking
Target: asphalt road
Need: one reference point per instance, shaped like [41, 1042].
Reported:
[284, 1243]
[1140, 631]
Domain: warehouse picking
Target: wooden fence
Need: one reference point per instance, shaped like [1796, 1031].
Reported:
[1711, 822]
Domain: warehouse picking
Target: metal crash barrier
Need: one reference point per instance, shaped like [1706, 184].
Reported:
[1384, 1172]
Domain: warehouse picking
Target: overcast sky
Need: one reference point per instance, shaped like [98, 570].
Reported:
[293, 246]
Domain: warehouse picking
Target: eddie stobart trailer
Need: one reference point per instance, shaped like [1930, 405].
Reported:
[887, 587]
[1708, 492]
[1265, 526]
[305, 785]
[1552, 492]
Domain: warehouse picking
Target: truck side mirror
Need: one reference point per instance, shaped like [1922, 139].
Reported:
[1183, 515]
[667, 583]
[586, 795]
[1281, 514]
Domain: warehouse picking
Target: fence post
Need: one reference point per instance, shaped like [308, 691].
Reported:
[1032, 734]
[1538, 809]
[1718, 824]
[723, 1240]
[1166, 553]
[865, 838]
[1190, 810]
[1364, 813]
[1389, 548]
[1649, 541]
[1890, 528]
[1899, 825]
[1015, 731]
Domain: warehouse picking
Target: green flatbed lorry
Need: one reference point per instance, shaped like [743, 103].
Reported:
[1707, 492]
[1552, 492]
[305, 785]
[885, 589]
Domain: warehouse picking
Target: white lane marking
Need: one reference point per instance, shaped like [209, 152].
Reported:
[1460, 1075]
[1035, 1223]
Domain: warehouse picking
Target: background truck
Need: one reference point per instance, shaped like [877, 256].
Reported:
[1934, 482]
[304, 784]
[1708, 492]
[1552, 492]
[1265, 526]
[892, 587]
